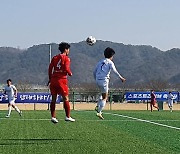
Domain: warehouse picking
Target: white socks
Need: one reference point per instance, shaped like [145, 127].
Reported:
[98, 103]
[170, 107]
[9, 110]
[101, 105]
[17, 109]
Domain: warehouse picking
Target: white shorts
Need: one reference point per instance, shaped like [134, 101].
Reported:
[170, 102]
[103, 85]
[12, 101]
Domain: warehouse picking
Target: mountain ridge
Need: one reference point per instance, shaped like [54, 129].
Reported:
[137, 63]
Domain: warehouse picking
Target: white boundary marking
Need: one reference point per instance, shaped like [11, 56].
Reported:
[114, 114]
[147, 121]
[21, 119]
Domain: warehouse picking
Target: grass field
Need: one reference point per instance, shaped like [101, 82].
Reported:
[121, 132]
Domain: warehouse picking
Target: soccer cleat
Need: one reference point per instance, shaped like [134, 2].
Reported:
[100, 116]
[96, 109]
[69, 119]
[54, 120]
[7, 116]
[20, 113]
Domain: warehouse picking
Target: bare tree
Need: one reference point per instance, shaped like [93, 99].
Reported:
[157, 85]
[24, 87]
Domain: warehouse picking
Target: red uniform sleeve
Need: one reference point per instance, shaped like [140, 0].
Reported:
[67, 66]
[50, 69]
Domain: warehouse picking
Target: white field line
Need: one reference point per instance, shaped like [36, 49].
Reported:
[147, 121]
[132, 119]
[21, 119]
[135, 119]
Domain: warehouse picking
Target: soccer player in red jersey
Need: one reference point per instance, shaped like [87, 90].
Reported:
[59, 68]
[153, 101]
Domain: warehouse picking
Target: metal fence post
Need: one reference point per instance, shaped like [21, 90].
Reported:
[73, 99]
[147, 105]
[34, 106]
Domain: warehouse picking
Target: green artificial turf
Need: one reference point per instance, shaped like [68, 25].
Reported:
[118, 133]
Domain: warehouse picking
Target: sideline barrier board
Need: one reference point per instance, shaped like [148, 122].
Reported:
[30, 98]
[160, 96]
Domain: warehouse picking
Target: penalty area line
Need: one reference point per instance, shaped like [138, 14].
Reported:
[142, 120]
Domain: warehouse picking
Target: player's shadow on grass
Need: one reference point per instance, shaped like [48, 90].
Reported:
[31, 141]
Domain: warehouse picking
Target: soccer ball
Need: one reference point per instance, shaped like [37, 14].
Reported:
[91, 40]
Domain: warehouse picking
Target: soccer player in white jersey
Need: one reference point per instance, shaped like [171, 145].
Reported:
[11, 91]
[170, 101]
[102, 76]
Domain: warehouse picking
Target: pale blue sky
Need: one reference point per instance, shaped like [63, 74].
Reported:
[138, 22]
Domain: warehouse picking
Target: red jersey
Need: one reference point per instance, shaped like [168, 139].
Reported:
[59, 67]
[153, 97]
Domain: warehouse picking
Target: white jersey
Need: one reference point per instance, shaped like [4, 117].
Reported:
[103, 70]
[10, 91]
[170, 99]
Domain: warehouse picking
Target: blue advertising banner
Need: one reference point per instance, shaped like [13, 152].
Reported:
[160, 96]
[30, 98]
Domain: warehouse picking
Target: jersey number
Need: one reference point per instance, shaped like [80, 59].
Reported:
[59, 64]
[102, 66]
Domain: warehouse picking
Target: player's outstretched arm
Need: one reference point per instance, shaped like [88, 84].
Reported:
[4, 92]
[123, 79]
[15, 91]
[117, 73]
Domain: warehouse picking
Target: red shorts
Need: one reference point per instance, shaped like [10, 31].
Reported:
[59, 86]
[153, 102]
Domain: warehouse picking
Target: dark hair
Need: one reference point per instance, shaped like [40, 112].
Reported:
[9, 80]
[109, 52]
[63, 46]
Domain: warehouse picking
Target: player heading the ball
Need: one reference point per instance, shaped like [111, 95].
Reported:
[102, 76]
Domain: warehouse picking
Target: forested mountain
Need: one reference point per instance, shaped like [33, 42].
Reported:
[138, 64]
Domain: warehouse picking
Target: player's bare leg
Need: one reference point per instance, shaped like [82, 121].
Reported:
[151, 107]
[17, 109]
[156, 107]
[170, 107]
[52, 108]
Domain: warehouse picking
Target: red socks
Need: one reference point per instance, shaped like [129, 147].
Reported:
[67, 108]
[52, 107]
